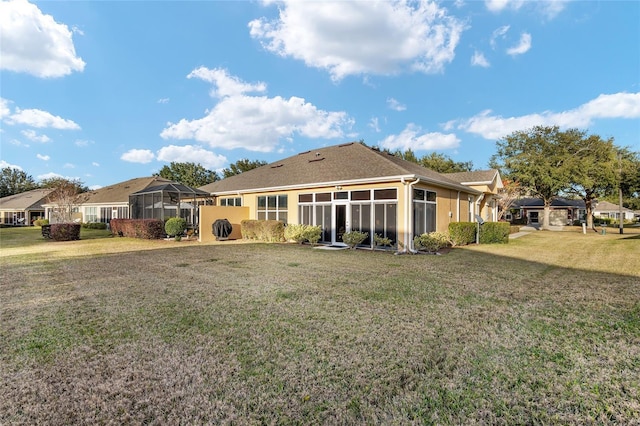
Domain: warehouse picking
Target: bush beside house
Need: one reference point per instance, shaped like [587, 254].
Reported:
[150, 229]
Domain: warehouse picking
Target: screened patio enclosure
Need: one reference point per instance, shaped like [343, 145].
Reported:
[166, 201]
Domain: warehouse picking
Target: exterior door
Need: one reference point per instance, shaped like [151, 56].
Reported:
[341, 222]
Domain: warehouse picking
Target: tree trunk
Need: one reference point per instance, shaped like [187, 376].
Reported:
[588, 204]
[545, 217]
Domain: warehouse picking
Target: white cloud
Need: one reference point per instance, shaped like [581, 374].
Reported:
[374, 125]
[94, 164]
[523, 45]
[69, 166]
[143, 156]
[192, 154]
[500, 5]
[94, 187]
[354, 38]
[395, 105]
[413, 137]
[40, 119]
[4, 108]
[479, 60]
[4, 164]
[81, 143]
[226, 84]
[35, 43]
[500, 32]
[552, 8]
[43, 157]
[35, 137]
[255, 123]
[163, 100]
[618, 105]
[51, 175]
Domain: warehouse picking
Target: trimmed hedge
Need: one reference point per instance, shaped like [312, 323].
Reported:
[65, 231]
[271, 231]
[149, 229]
[494, 232]
[462, 233]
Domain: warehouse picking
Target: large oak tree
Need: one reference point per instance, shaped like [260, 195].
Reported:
[189, 174]
[540, 160]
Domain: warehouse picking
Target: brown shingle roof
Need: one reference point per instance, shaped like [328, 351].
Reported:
[331, 165]
[28, 200]
[119, 192]
[477, 176]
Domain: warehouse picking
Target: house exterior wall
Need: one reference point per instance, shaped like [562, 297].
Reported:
[451, 205]
[209, 214]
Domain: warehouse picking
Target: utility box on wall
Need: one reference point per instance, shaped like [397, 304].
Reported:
[209, 214]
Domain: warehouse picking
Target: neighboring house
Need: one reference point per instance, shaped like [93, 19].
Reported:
[562, 211]
[351, 187]
[139, 198]
[22, 209]
[606, 209]
[489, 183]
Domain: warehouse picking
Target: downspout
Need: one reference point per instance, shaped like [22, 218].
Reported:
[458, 210]
[480, 198]
[406, 217]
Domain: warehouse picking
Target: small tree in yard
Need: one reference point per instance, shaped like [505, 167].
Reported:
[175, 226]
[66, 196]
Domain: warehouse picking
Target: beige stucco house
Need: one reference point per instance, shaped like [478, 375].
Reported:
[22, 209]
[350, 187]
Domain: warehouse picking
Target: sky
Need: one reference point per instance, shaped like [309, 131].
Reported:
[105, 91]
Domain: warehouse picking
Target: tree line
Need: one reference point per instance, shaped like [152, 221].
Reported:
[542, 162]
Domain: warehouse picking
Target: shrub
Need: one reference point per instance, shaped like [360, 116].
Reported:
[65, 231]
[175, 226]
[302, 233]
[94, 225]
[295, 233]
[40, 222]
[494, 232]
[514, 229]
[462, 233]
[138, 228]
[431, 242]
[262, 230]
[379, 240]
[353, 238]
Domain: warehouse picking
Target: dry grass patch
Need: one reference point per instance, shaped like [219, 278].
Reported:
[256, 333]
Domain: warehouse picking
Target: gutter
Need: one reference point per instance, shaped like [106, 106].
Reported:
[408, 190]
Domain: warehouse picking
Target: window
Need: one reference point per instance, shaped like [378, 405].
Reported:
[237, 201]
[385, 217]
[123, 212]
[424, 211]
[105, 214]
[273, 207]
[385, 194]
[91, 214]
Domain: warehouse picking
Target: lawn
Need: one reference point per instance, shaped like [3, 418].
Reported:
[543, 330]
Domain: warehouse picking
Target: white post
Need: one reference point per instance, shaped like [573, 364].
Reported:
[584, 228]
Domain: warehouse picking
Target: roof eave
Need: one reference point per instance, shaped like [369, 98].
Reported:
[398, 178]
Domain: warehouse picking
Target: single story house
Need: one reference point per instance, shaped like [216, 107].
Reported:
[349, 187]
[22, 209]
[138, 198]
[562, 212]
[605, 209]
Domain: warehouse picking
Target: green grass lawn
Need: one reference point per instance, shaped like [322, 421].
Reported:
[543, 330]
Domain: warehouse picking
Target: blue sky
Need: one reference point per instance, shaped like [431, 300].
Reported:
[104, 91]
